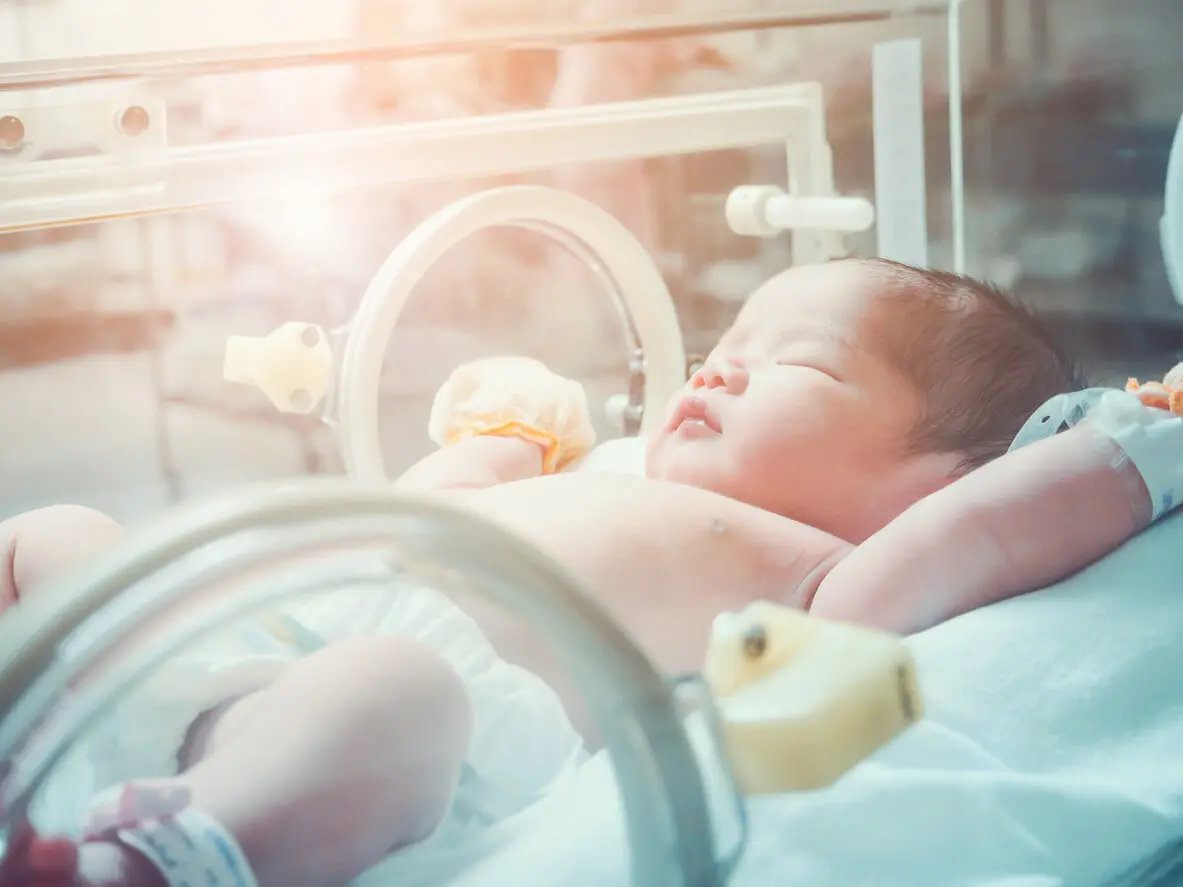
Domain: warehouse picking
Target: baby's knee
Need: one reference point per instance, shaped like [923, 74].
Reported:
[47, 542]
[63, 525]
[383, 682]
[394, 708]
[87, 519]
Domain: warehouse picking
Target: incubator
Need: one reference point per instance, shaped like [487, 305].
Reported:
[297, 191]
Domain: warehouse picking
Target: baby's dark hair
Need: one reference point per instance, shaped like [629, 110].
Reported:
[981, 362]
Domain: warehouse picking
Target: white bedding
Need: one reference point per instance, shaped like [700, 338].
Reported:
[1051, 754]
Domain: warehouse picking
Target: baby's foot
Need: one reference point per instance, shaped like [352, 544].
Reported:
[145, 834]
[34, 861]
[103, 861]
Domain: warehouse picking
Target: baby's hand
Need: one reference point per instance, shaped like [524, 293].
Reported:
[514, 397]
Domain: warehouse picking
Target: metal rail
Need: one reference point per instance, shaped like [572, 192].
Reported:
[40, 74]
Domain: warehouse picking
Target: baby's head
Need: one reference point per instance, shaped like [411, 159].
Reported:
[846, 392]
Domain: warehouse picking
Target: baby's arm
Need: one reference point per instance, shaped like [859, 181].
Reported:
[665, 559]
[1027, 520]
[498, 420]
[473, 464]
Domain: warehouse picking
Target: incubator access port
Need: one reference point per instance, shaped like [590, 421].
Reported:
[133, 120]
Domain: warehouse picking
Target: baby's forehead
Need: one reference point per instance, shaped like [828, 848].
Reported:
[825, 302]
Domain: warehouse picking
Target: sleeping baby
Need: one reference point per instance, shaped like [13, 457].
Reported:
[844, 450]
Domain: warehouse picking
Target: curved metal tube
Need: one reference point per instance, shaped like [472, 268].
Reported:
[564, 237]
[577, 247]
[44, 643]
[1171, 231]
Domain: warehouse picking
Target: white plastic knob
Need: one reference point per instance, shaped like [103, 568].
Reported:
[615, 409]
[746, 210]
[291, 365]
[802, 700]
[766, 210]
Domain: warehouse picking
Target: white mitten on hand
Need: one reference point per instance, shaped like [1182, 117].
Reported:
[514, 397]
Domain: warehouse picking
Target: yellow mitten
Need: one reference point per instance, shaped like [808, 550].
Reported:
[1164, 395]
[514, 397]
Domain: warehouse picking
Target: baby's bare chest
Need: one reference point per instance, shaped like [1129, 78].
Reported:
[663, 569]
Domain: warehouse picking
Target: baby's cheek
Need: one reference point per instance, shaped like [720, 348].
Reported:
[761, 455]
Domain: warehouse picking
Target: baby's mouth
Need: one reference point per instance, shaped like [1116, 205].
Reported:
[693, 412]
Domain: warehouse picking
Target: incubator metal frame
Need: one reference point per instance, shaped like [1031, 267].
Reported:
[45, 192]
[742, 16]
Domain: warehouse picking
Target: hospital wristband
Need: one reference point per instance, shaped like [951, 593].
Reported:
[190, 849]
[1152, 440]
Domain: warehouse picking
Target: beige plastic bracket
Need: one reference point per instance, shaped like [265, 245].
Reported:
[292, 365]
[802, 700]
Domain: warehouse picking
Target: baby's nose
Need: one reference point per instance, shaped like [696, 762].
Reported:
[721, 374]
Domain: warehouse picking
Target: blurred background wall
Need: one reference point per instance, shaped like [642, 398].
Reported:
[111, 333]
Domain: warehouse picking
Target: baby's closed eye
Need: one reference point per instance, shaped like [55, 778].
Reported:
[811, 365]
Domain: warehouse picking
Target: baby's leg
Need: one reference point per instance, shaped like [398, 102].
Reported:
[354, 752]
[39, 545]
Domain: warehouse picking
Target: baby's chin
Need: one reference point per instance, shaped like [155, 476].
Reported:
[658, 446]
[658, 457]
[682, 462]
